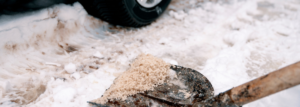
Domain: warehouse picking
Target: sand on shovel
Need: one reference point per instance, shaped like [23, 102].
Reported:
[144, 74]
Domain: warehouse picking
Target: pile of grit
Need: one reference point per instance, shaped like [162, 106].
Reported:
[144, 74]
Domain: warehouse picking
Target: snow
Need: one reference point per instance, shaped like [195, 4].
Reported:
[172, 74]
[51, 63]
[75, 75]
[64, 95]
[70, 68]
[63, 57]
[98, 54]
[171, 61]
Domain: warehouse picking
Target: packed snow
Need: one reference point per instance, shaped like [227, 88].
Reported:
[62, 57]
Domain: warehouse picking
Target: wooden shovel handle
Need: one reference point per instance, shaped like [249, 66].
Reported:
[271, 83]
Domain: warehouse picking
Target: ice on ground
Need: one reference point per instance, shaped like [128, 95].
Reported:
[230, 42]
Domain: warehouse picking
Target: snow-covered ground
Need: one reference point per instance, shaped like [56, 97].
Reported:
[62, 57]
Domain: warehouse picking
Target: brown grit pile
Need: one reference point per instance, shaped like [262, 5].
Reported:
[144, 74]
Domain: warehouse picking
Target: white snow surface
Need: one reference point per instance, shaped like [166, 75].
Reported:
[62, 57]
[70, 68]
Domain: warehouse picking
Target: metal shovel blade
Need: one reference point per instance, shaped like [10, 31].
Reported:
[192, 89]
[189, 87]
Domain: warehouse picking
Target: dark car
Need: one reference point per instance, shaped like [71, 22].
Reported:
[133, 13]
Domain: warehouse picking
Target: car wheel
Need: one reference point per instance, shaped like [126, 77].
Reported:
[133, 13]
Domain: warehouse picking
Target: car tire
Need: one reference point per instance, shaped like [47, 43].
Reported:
[124, 12]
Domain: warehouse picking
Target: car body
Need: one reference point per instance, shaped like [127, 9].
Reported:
[131, 13]
[17, 6]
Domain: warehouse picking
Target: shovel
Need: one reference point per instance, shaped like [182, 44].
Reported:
[197, 91]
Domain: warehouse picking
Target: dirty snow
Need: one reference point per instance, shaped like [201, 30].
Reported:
[60, 56]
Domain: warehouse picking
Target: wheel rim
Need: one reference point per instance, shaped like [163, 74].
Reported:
[148, 3]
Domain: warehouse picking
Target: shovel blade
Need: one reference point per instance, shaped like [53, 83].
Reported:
[189, 86]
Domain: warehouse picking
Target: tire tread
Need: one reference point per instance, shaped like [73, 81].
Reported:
[112, 11]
